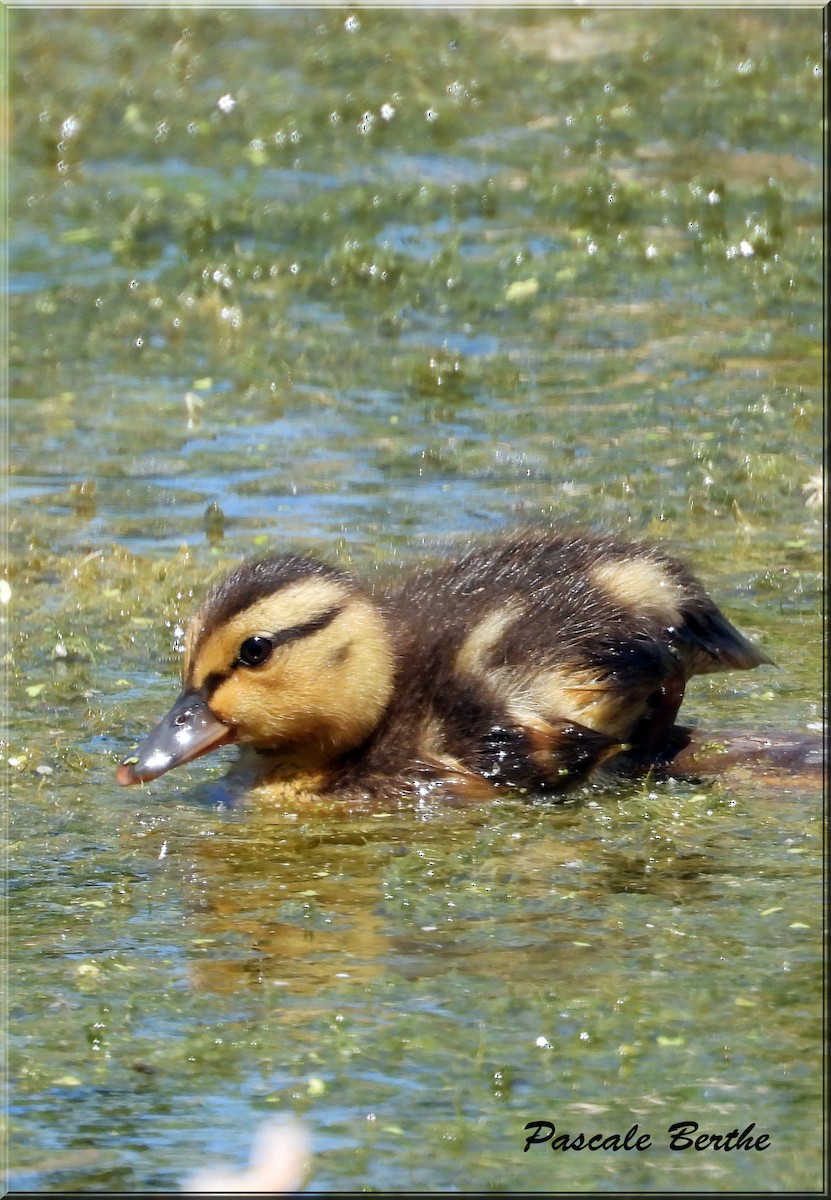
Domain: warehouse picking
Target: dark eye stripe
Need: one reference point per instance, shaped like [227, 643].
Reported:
[211, 682]
[314, 625]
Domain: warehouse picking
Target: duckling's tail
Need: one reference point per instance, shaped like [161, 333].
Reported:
[706, 641]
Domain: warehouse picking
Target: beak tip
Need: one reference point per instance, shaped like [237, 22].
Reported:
[126, 774]
[188, 731]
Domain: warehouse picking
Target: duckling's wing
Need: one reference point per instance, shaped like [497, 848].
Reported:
[706, 641]
[548, 755]
[566, 753]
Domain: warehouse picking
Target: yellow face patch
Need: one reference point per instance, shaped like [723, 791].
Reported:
[291, 606]
[316, 694]
[641, 586]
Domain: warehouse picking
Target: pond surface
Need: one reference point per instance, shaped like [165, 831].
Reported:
[343, 282]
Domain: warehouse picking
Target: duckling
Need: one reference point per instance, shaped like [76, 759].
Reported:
[530, 660]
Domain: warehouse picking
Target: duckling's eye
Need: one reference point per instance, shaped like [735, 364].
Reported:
[254, 651]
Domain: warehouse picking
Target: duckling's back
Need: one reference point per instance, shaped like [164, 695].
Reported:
[562, 596]
[557, 632]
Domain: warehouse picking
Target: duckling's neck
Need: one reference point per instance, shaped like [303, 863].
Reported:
[291, 775]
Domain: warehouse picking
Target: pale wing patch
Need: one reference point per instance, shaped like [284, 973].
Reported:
[431, 739]
[571, 695]
[475, 650]
[641, 586]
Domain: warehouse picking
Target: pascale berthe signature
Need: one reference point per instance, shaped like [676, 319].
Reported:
[682, 1135]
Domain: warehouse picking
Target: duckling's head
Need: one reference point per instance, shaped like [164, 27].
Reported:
[287, 655]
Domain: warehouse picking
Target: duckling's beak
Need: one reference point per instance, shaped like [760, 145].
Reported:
[189, 730]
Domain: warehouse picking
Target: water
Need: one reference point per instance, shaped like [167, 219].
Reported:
[588, 291]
